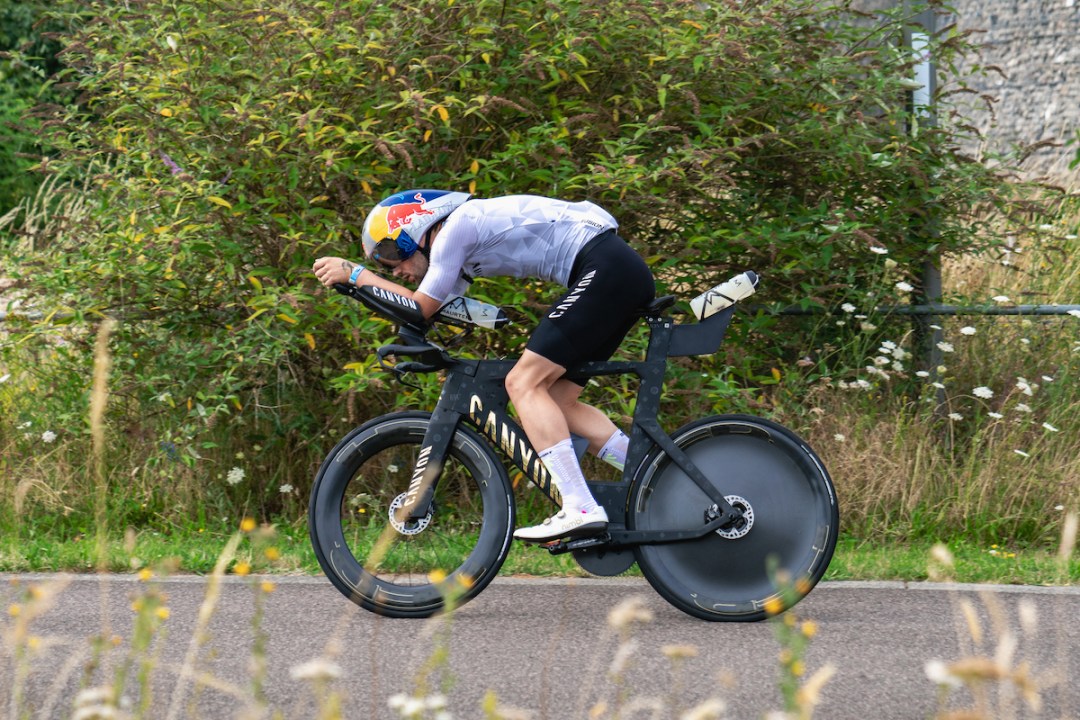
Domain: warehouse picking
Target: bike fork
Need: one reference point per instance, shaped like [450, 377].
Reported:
[429, 464]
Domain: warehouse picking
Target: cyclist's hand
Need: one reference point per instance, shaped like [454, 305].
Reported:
[330, 270]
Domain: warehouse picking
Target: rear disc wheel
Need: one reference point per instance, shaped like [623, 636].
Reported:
[732, 574]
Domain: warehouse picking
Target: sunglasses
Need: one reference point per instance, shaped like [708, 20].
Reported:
[402, 248]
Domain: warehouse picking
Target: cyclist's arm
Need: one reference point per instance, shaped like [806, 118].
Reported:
[331, 270]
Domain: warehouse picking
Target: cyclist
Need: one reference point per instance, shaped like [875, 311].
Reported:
[440, 240]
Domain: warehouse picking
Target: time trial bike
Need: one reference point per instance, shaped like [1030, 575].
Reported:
[414, 507]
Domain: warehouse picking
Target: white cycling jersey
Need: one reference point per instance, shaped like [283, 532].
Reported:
[516, 236]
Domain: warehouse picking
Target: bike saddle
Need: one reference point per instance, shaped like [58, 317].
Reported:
[660, 304]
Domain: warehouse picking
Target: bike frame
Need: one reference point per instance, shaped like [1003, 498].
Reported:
[474, 392]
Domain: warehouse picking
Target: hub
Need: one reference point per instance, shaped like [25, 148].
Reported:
[407, 527]
[740, 527]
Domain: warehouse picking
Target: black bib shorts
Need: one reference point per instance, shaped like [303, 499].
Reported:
[610, 285]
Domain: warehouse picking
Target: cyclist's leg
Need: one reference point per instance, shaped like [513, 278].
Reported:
[587, 323]
[583, 419]
[529, 385]
[606, 440]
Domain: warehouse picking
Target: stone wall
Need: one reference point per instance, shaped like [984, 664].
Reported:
[1036, 44]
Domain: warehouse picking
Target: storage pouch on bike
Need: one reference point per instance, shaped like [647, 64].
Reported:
[701, 338]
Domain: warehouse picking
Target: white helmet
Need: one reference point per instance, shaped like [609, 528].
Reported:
[395, 227]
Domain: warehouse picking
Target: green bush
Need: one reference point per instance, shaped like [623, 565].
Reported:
[226, 145]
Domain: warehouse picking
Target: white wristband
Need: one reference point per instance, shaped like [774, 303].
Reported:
[355, 274]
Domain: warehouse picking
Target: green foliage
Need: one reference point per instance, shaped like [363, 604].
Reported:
[227, 145]
[27, 59]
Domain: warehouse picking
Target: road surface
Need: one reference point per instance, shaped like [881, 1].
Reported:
[541, 646]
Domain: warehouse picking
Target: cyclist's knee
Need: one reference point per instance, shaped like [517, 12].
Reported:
[532, 373]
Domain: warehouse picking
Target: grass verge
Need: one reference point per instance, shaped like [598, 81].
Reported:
[196, 551]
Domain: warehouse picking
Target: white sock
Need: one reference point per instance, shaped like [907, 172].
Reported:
[561, 461]
[614, 451]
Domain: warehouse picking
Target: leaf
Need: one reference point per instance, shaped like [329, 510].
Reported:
[166, 112]
[287, 318]
[444, 115]
[219, 201]
[256, 282]
[354, 366]
[310, 340]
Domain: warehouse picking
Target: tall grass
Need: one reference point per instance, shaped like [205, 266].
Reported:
[983, 446]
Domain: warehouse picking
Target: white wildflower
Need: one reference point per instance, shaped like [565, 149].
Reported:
[904, 287]
[938, 673]
[235, 476]
[1059, 507]
[874, 370]
[285, 489]
[1021, 453]
[1048, 426]
[879, 361]
[846, 307]
[5, 378]
[868, 327]
[862, 384]
[1023, 407]
[887, 346]
[1025, 341]
[839, 437]
[629, 611]
[898, 366]
[945, 347]
[967, 330]
[1046, 228]
[317, 669]
[623, 654]
[879, 250]
[48, 437]
[1024, 386]
[711, 709]
[922, 374]
[983, 392]
[955, 417]
[938, 385]
[1047, 378]
[936, 327]
[1075, 313]
[1001, 298]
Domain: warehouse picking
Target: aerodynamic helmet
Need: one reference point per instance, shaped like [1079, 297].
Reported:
[395, 227]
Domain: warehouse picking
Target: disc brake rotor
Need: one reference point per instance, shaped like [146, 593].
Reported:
[742, 527]
[408, 527]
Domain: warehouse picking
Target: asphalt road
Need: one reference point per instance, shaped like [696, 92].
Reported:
[544, 646]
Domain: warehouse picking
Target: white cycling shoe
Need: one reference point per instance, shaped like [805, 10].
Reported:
[563, 524]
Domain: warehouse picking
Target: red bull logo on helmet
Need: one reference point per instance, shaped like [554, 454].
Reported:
[397, 216]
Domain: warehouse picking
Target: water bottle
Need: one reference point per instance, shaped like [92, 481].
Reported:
[724, 295]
